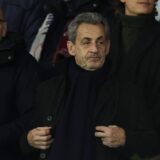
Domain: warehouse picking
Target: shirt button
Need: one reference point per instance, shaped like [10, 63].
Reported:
[49, 118]
[9, 57]
[42, 155]
[94, 5]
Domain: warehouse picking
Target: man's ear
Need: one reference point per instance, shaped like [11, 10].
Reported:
[71, 48]
[108, 47]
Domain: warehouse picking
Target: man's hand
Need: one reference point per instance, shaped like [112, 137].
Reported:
[40, 137]
[111, 136]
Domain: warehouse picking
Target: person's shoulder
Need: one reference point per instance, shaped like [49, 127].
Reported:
[16, 43]
[8, 47]
[56, 74]
[9, 40]
[13, 46]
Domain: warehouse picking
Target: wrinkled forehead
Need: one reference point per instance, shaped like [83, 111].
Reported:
[91, 30]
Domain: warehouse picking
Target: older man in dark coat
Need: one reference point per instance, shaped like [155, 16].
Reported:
[89, 115]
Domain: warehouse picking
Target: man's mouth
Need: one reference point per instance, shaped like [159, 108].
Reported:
[94, 58]
[144, 3]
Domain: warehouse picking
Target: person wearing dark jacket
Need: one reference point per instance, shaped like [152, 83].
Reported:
[135, 50]
[18, 72]
[81, 113]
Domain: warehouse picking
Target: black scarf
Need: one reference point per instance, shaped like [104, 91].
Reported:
[74, 139]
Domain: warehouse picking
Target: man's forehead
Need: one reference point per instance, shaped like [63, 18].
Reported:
[89, 26]
[90, 30]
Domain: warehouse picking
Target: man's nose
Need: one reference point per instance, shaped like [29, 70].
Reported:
[94, 47]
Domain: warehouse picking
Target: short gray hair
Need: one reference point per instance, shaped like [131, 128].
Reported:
[90, 18]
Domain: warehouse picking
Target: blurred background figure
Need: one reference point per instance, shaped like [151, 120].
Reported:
[24, 17]
[18, 79]
[135, 51]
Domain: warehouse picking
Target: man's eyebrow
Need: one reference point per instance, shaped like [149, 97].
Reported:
[101, 37]
[86, 38]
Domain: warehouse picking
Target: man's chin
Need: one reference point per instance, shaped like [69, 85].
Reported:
[94, 67]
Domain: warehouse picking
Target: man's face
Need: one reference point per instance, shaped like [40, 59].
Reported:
[138, 7]
[91, 46]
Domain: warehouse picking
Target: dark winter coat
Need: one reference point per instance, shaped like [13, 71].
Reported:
[117, 104]
[141, 66]
[18, 79]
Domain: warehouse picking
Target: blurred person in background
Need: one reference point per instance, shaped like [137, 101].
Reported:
[24, 17]
[135, 50]
[18, 80]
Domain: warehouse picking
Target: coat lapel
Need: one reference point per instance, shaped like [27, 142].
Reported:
[51, 94]
[105, 102]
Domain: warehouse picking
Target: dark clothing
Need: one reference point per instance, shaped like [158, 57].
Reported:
[141, 65]
[18, 78]
[24, 17]
[116, 104]
[76, 128]
[132, 28]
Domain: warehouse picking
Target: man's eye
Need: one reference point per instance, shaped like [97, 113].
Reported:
[85, 43]
[101, 42]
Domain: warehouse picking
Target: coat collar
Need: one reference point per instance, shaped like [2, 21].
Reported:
[145, 41]
[60, 83]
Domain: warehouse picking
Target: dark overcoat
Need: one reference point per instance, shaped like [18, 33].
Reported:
[141, 65]
[117, 103]
[18, 78]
